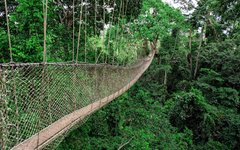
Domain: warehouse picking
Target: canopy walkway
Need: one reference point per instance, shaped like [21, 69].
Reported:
[41, 102]
[56, 97]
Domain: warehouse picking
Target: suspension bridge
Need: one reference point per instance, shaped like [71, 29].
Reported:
[42, 102]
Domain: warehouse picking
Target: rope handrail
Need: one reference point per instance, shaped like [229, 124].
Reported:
[137, 63]
[67, 64]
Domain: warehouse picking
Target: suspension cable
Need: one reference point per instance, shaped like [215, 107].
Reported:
[45, 32]
[108, 30]
[111, 22]
[85, 43]
[8, 30]
[103, 38]
[104, 23]
[119, 16]
[113, 16]
[73, 42]
[95, 25]
[79, 31]
[124, 11]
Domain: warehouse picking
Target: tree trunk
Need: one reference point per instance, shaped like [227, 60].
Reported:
[165, 78]
[145, 46]
[199, 47]
[159, 60]
[190, 55]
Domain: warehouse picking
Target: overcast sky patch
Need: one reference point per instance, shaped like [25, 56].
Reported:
[178, 6]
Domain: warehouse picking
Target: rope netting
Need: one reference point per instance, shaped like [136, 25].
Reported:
[34, 96]
[41, 102]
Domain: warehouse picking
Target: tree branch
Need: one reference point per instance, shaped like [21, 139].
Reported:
[125, 144]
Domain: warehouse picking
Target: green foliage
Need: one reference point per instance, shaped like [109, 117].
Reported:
[120, 49]
[27, 26]
[156, 20]
[227, 10]
[225, 59]
[143, 126]
[4, 53]
[185, 112]
[213, 145]
[191, 110]
[227, 97]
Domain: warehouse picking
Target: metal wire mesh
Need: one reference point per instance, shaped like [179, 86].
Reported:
[34, 96]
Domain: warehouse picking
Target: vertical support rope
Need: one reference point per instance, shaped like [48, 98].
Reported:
[3, 111]
[103, 88]
[41, 104]
[73, 43]
[104, 23]
[111, 22]
[95, 68]
[45, 11]
[74, 80]
[95, 26]
[16, 104]
[122, 13]
[108, 38]
[116, 35]
[103, 36]
[49, 100]
[79, 31]
[8, 30]
[125, 13]
[85, 46]
[45, 31]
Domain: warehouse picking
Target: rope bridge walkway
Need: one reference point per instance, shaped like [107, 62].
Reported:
[40, 103]
[56, 97]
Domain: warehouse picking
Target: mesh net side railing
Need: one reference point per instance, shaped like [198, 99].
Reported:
[33, 96]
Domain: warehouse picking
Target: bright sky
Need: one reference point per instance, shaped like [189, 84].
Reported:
[176, 5]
